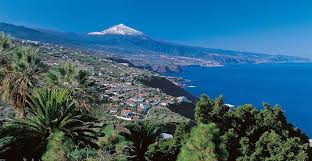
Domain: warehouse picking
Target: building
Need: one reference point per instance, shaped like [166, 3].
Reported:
[126, 113]
[144, 107]
[113, 110]
[131, 102]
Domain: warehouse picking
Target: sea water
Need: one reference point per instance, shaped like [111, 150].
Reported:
[289, 85]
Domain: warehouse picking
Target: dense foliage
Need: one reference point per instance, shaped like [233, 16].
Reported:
[167, 150]
[142, 135]
[20, 77]
[57, 113]
[245, 130]
[5, 47]
[204, 144]
[48, 112]
[69, 76]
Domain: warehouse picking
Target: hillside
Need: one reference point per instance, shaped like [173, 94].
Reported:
[83, 106]
[116, 82]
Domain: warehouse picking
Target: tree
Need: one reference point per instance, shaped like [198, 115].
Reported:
[218, 114]
[203, 106]
[273, 147]
[208, 110]
[230, 139]
[21, 77]
[76, 81]
[114, 143]
[168, 150]
[49, 112]
[5, 47]
[182, 132]
[204, 144]
[142, 135]
[163, 150]
[273, 118]
[244, 126]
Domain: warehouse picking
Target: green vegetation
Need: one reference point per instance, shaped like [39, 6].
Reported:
[57, 147]
[142, 135]
[276, 147]
[204, 144]
[76, 81]
[164, 115]
[48, 112]
[246, 131]
[166, 150]
[5, 46]
[21, 76]
[115, 143]
[59, 116]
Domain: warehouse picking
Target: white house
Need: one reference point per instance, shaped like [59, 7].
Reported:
[166, 136]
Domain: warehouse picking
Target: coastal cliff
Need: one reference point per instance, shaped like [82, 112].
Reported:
[165, 85]
[184, 108]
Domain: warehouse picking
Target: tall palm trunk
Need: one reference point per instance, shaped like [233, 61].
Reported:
[20, 105]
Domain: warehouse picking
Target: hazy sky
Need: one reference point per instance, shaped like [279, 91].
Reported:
[267, 26]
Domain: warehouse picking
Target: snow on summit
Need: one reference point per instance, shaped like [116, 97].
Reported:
[120, 29]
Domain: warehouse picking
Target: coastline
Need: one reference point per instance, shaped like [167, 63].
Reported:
[255, 84]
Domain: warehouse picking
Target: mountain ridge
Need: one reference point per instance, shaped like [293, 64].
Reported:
[127, 42]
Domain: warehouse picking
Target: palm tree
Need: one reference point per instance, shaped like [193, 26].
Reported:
[5, 46]
[76, 81]
[49, 112]
[5, 41]
[142, 135]
[20, 77]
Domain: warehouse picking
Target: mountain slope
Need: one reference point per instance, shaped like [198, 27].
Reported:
[124, 40]
[46, 36]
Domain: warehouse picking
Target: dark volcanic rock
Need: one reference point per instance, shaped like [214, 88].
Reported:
[185, 109]
[120, 60]
[167, 69]
[166, 86]
[162, 68]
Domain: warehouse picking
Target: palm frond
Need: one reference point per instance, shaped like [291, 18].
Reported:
[49, 111]
[20, 76]
[78, 82]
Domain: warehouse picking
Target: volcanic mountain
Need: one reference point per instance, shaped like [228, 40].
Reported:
[120, 29]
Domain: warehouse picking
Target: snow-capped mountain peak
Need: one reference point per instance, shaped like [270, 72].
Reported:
[120, 29]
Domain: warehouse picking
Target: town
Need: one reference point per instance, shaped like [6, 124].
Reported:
[122, 96]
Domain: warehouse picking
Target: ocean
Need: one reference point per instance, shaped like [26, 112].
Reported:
[289, 85]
